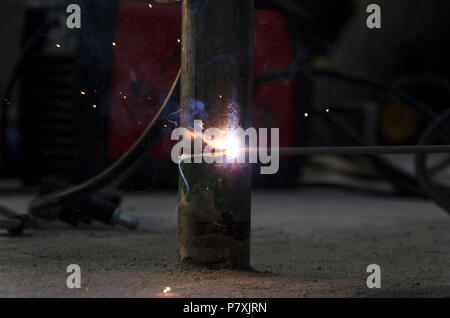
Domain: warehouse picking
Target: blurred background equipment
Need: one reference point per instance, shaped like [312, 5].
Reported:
[77, 99]
[84, 96]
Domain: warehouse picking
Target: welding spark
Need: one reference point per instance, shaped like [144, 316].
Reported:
[327, 110]
[95, 106]
[150, 6]
[58, 45]
[114, 44]
[178, 40]
[228, 145]
[167, 290]
[83, 93]
[231, 146]
[306, 115]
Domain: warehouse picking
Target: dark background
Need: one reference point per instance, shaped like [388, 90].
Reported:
[330, 34]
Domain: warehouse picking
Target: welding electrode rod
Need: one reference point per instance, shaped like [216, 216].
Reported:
[216, 87]
[346, 150]
[370, 150]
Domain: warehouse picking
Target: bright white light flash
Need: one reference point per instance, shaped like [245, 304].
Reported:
[167, 290]
[232, 146]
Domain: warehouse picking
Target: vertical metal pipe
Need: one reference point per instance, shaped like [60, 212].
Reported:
[216, 87]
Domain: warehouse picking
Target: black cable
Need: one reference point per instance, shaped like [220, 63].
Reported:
[398, 178]
[14, 223]
[405, 184]
[10, 225]
[390, 90]
[423, 77]
[108, 175]
[438, 193]
[440, 125]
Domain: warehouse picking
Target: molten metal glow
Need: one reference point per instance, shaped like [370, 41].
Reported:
[167, 290]
[228, 145]
[232, 146]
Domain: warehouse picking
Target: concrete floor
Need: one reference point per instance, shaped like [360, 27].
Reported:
[304, 244]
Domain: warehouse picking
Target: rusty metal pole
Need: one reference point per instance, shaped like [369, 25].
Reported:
[217, 87]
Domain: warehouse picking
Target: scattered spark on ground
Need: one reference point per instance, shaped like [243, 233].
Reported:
[167, 290]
